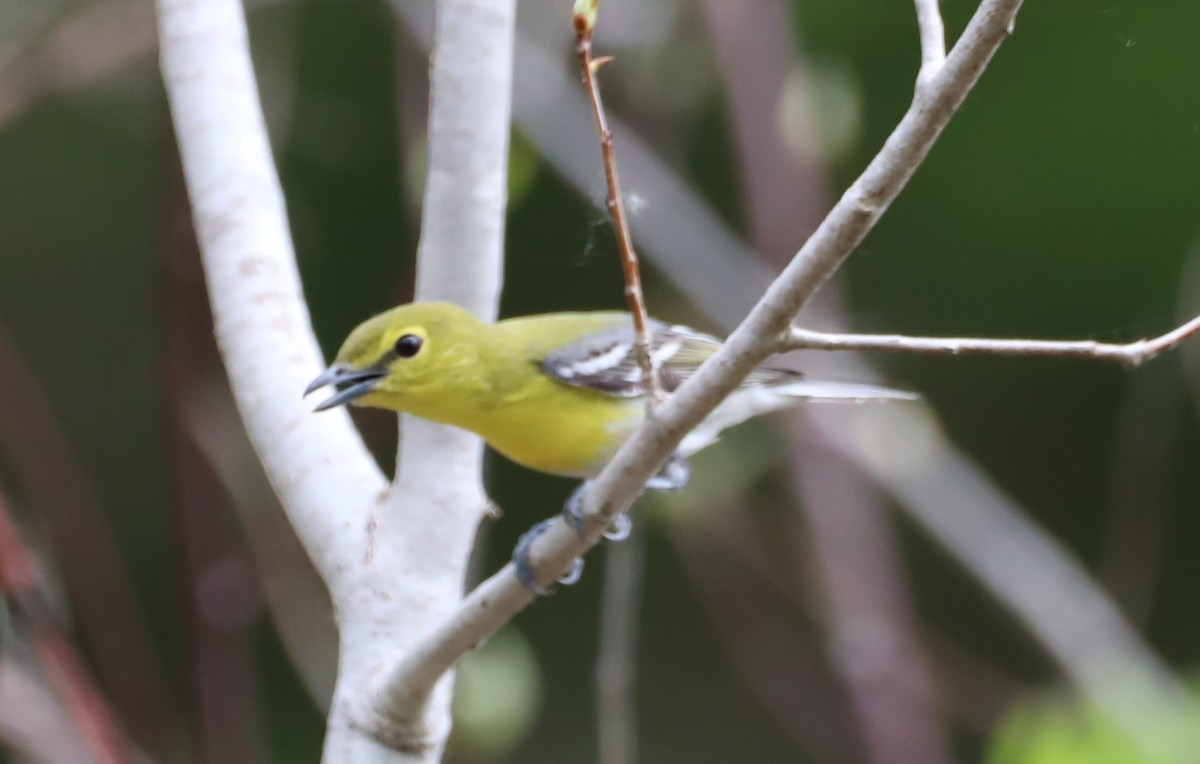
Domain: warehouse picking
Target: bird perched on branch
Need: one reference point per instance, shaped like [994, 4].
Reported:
[557, 392]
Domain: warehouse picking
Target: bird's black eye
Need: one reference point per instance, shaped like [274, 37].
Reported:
[408, 346]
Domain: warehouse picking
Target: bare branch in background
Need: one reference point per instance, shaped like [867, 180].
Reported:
[617, 655]
[21, 583]
[870, 620]
[293, 591]
[782, 175]
[783, 666]
[222, 592]
[32, 722]
[1043, 585]
[969, 690]
[841, 521]
[87, 46]
[1129, 354]
[97, 41]
[1148, 426]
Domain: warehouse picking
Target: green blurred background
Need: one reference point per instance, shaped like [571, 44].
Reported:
[1061, 202]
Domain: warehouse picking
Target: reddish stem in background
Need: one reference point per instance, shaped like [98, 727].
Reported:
[215, 572]
[616, 207]
[34, 445]
[20, 579]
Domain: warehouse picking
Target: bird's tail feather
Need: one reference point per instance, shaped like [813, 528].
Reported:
[750, 402]
[842, 391]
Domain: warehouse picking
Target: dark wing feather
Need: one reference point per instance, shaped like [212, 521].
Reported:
[605, 361]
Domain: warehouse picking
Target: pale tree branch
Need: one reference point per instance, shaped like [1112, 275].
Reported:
[318, 465]
[496, 600]
[423, 532]
[1128, 354]
[933, 39]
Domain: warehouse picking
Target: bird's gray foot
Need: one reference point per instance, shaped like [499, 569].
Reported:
[573, 514]
[524, 571]
[673, 475]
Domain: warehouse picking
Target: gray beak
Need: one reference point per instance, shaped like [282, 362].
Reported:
[352, 384]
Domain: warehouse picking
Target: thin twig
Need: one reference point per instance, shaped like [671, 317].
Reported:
[1128, 354]
[585, 23]
[933, 40]
[21, 583]
[616, 661]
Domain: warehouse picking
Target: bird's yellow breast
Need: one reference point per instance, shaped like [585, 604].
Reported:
[552, 427]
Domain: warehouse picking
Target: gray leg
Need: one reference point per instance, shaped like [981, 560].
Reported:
[573, 514]
[673, 475]
[525, 573]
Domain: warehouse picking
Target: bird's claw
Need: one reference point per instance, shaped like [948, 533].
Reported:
[573, 515]
[524, 571]
[672, 476]
[620, 529]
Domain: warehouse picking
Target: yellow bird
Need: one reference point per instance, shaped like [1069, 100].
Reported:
[557, 392]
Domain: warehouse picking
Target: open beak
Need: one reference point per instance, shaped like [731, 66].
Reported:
[350, 384]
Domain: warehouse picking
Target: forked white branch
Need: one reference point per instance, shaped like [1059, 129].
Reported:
[393, 559]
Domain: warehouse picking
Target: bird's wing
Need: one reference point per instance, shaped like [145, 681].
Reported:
[605, 361]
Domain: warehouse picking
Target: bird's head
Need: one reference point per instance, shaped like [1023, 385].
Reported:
[404, 358]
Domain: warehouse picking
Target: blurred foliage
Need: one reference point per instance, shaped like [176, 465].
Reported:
[1052, 730]
[497, 696]
[1061, 202]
